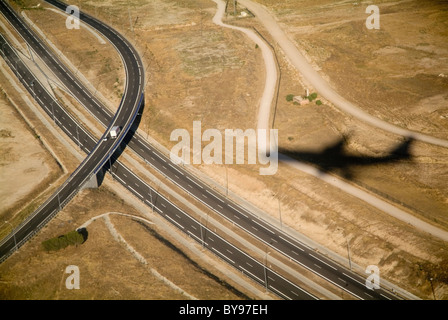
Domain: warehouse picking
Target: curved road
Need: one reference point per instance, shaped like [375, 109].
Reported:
[102, 150]
[290, 247]
[320, 85]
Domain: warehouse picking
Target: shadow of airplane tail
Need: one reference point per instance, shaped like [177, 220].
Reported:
[334, 158]
[402, 151]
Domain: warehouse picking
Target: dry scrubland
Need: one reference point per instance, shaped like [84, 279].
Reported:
[26, 167]
[397, 73]
[108, 270]
[198, 71]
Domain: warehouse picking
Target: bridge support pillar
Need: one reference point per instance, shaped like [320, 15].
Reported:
[95, 181]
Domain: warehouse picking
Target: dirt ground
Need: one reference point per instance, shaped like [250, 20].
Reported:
[20, 155]
[198, 71]
[394, 73]
[107, 269]
[26, 167]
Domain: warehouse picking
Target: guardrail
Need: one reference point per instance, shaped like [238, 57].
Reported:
[104, 159]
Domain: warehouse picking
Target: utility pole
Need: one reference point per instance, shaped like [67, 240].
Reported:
[349, 259]
[32, 88]
[77, 136]
[130, 21]
[280, 213]
[227, 181]
[52, 111]
[265, 268]
[152, 203]
[14, 234]
[348, 247]
[432, 288]
[59, 202]
[202, 228]
[279, 206]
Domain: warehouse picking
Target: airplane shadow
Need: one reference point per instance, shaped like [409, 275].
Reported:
[336, 159]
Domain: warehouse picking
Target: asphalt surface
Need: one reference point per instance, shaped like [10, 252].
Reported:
[209, 239]
[101, 150]
[271, 236]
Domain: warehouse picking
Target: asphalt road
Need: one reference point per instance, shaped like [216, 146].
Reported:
[100, 152]
[209, 239]
[139, 188]
[271, 236]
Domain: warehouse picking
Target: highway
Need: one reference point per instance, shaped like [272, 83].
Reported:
[98, 155]
[209, 239]
[271, 236]
[139, 188]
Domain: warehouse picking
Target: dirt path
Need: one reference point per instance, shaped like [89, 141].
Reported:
[119, 238]
[267, 97]
[325, 90]
[320, 85]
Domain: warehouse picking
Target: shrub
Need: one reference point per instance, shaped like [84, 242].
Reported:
[318, 102]
[61, 242]
[312, 96]
[289, 97]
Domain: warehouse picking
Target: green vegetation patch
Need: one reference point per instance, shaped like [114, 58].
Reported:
[312, 96]
[73, 238]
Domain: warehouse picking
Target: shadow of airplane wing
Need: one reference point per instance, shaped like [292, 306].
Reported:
[334, 157]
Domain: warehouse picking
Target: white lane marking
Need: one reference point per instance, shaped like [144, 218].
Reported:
[262, 281]
[253, 220]
[214, 196]
[158, 156]
[223, 255]
[175, 168]
[195, 183]
[353, 279]
[237, 210]
[181, 226]
[135, 191]
[292, 244]
[322, 261]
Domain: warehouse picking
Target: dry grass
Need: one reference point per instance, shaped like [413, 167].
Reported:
[107, 269]
[27, 168]
[188, 79]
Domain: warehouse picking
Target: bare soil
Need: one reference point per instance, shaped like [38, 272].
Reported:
[197, 71]
[107, 269]
[26, 167]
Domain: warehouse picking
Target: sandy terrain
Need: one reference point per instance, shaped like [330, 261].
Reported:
[108, 270]
[199, 71]
[158, 278]
[21, 155]
[26, 167]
